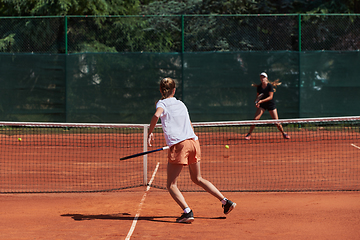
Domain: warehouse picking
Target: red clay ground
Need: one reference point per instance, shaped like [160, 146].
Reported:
[109, 215]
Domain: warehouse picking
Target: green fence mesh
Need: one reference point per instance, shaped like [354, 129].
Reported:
[106, 69]
[32, 87]
[240, 33]
[115, 87]
[180, 33]
[330, 32]
[329, 83]
[32, 35]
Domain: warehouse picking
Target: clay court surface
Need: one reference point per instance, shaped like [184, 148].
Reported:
[72, 162]
[110, 215]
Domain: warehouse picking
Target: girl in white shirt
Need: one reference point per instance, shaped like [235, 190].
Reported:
[184, 148]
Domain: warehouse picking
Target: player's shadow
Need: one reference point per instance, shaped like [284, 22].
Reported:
[127, 216]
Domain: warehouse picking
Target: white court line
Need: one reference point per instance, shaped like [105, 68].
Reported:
[141, 203]
[355, 146]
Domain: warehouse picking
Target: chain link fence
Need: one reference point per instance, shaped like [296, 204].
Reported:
[106, 69]
[180, 33]
[32, 35]
[330, 32]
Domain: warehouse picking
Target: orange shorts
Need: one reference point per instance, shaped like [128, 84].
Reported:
[185, 152]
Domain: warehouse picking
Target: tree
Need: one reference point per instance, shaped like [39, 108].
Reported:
[47, 34]
[250, 6]
[68, 7]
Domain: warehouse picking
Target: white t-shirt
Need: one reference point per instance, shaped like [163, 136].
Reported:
[175, 121]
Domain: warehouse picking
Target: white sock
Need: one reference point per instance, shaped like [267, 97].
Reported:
[224, 201]
[187, 210]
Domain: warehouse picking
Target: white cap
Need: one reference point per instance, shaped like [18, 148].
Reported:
[263, 74]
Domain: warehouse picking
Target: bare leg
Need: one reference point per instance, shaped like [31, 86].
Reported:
[274, 115]
[205, 184]
[173, 172]
[258, 114]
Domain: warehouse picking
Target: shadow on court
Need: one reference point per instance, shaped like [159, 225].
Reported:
[109, 215]
[128, 217]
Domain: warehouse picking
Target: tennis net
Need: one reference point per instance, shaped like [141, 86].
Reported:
[322, 154]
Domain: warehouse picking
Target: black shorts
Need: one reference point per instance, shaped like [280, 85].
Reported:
[268, 105]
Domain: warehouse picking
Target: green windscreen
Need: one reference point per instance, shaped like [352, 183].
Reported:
[216, 86]
[33, 87]
[330, 84]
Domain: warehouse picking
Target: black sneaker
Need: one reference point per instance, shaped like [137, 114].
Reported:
[286, 136]
[186, 218]
[229, 206]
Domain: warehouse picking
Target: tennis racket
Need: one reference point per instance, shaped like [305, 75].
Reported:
[143, 153]
[258, 98]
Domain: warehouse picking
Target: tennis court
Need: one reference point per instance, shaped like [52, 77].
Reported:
[306, 187]
[110, 215]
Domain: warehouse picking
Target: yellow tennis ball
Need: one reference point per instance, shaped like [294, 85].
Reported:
[19, 139]
[227, 146]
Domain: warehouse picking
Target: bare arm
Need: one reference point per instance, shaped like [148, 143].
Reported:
[271, 95]
[153, 122]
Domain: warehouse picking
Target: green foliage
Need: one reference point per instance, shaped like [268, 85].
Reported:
[68, 7]
[165, 7]
[47, 35]
[249, 7]
[6, 42]
[319, 6]
[95, 47]
[155, 32]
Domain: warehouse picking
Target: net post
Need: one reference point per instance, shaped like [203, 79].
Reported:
[299, 51]
[145, 156]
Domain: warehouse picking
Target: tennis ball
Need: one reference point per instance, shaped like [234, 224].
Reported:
[19, 139]
[227, 146]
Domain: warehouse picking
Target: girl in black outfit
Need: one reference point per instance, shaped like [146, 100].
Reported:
[266, 103]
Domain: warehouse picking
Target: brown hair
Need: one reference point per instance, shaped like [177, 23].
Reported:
[167, 86]
[274, 83]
